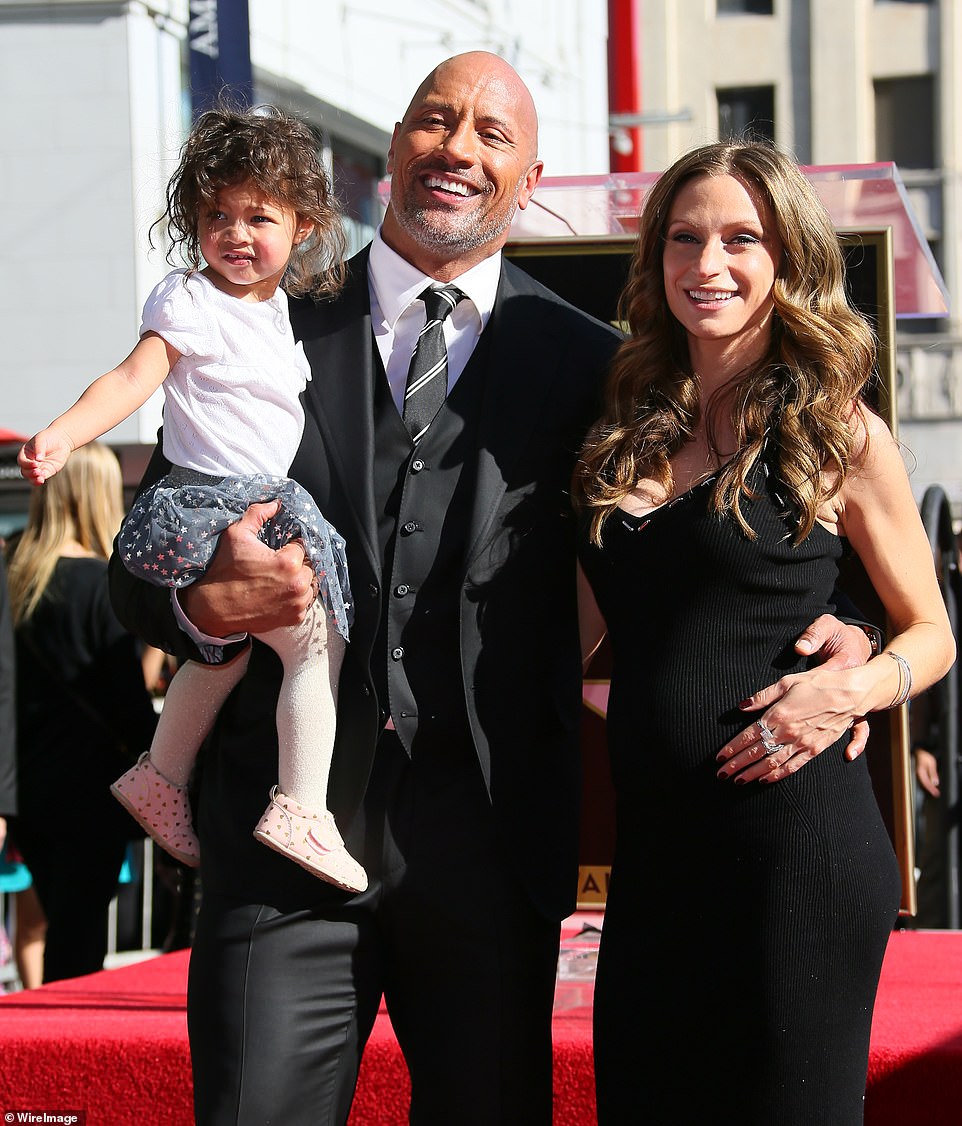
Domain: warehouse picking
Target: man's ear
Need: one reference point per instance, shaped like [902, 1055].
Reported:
[530, 183]
[390, 151]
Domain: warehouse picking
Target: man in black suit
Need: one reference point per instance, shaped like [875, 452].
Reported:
[455, 775]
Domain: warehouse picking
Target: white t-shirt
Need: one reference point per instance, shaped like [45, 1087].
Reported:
[231, 400]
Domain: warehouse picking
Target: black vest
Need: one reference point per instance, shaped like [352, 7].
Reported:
[424, 497]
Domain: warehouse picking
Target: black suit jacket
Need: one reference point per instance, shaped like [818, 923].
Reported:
[519, 638]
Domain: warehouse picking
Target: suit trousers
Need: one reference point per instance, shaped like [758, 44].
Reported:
[280, 1003]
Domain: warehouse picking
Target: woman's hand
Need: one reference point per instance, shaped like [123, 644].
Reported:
[803, 713]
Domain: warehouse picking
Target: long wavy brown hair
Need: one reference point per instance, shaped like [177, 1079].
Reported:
[798, 398]
[229, 145]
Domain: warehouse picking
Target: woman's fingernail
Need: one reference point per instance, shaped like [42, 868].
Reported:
[746, 703]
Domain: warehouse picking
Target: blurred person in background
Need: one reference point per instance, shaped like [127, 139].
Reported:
[8, 744]
[10, 869]
[83, 711]
[935, 758]
[29, 925]
[29, 936]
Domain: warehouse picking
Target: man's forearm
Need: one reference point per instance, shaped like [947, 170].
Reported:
[145, 610]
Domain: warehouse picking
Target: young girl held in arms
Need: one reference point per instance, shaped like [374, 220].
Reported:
[251, 199]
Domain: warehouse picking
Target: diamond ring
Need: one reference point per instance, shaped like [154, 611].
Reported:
[767, 737]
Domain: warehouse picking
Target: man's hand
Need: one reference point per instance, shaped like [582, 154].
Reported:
[927, 771]
[836, 645]
[248, 587]
[821, 708]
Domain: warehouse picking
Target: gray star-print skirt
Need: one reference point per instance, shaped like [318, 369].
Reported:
[171, 531]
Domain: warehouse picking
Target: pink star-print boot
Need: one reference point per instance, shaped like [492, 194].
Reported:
[161, 807]
[310, 839]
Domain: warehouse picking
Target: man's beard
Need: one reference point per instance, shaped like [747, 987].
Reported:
[436, 229]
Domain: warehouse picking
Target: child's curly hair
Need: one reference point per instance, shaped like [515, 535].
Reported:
[229, 145]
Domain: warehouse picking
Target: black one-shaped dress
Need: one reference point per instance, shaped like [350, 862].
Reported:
[746, 924]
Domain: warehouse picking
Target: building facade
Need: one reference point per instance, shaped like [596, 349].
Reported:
[104, 105]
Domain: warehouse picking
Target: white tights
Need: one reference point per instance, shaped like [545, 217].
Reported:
[311, 654]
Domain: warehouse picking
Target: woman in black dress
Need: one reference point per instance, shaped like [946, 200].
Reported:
[83, 710]
[746, 922]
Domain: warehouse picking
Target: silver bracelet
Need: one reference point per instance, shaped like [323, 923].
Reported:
[905, 679]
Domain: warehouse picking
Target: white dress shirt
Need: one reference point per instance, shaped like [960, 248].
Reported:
[398, 316]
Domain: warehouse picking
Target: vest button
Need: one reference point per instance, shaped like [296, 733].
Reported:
[372, 590]
[397, 654]
[401, 590]
[409, 527]
[417, 465]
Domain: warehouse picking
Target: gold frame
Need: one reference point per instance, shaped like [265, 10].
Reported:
[879, 239]
[889, 745]
[890, 742]
[620, 244]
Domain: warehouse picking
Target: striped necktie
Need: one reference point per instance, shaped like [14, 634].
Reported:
[427, 383]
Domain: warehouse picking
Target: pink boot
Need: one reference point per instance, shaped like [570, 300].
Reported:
[161, 807]
[311, 840]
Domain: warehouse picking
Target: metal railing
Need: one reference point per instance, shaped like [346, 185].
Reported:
[127, 944]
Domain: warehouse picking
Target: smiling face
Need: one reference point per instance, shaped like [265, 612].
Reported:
[462, 161]
[247, 239]
[720, 260]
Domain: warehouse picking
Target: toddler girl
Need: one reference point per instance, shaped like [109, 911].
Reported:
[251, 198]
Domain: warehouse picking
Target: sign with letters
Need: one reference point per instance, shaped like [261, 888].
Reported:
[218, 37]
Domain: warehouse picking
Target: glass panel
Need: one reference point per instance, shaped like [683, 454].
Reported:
[857, 195]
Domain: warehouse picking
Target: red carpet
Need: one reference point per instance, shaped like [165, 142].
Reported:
[114, 1045]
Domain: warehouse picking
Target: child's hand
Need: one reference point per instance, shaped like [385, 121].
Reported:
[44, 455]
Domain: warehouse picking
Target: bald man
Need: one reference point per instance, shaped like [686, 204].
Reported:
[456, 769]
[455, 776]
